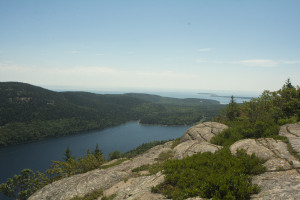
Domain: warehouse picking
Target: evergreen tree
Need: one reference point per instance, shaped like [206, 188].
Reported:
[98, 153]
[88, 151]
[232, 110]
[288, 84]
[68, 154]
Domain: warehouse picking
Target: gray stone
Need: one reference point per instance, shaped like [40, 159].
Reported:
[252, 146]
[278, 185]
[79, 185]
[292, 132]
[82, 184]
[203, 132]
[191, 147]
[137, 188]
[274, 153]
[282, 179]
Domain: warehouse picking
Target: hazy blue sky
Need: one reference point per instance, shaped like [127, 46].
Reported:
[151, 44]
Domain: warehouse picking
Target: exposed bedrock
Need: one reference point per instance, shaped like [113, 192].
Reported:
[280, 181]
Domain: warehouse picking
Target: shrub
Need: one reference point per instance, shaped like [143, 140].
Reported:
[115, 155]
[290, 120]
[165, 155]
[245, 129]
[175, 143]
[23, 185]
[218, 176]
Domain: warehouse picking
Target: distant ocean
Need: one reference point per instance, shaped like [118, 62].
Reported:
[223, 97]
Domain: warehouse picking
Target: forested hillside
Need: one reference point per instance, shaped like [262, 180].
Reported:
[29, 113]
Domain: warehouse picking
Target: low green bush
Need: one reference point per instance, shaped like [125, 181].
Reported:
[218, 176]
[245, 129]
[175, 143]
[165, 155]
[115, 155]
[114, 163]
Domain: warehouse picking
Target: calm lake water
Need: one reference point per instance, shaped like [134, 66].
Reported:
[37, 155]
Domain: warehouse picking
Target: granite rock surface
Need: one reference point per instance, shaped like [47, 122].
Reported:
[280, 181]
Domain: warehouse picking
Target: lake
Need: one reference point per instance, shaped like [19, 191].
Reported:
[37, 155]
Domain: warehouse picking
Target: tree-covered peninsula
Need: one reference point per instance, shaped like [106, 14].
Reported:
[30, 113]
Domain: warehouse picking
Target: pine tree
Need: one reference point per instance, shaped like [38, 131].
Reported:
[88, 151]
[288, 84]
[98, 153]
[232, 110]
[68, 154]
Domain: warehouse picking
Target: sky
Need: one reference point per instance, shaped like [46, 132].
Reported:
[171, 45]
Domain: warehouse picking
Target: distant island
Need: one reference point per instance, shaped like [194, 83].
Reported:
[225, 96]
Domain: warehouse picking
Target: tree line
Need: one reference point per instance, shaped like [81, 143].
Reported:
[260, 117]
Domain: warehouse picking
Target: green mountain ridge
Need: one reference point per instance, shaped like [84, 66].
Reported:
[29, 113]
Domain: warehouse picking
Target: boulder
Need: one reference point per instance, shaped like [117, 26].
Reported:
[191, 147]
[196, 139]
[203, 132]
[252, 146]
[274, 153]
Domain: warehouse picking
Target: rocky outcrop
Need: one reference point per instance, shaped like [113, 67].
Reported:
[82, 184]
[203, 132]
[278, 185]
[282, 179]
[79, 185]
[274, 153]
[137, 188]
[197, 139]
[292, 132]
[191, 147]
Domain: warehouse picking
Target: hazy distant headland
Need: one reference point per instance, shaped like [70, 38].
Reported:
[225, 96]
